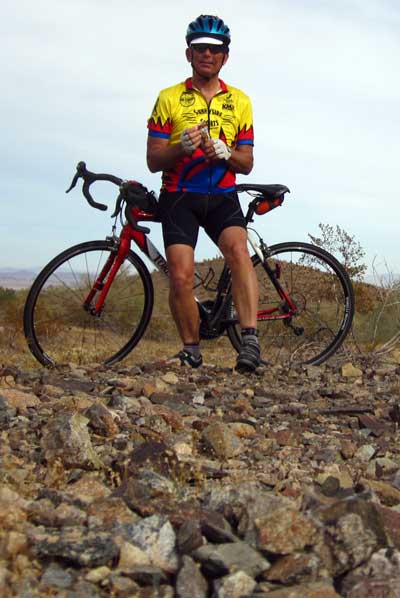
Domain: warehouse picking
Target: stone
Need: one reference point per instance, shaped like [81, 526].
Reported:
[283, 531]
[294, 568]
[56, 576]
[189, 536]
[236, 585]
[13, 509]
[223, 442]
[242, 430]
[66, 438]
[190, 583]
[76, 546]
[365, 453]
[88, 488]
[102, 420]
[388, 494]
[221, 559]
[20, 400]
[98, 574]
[131, 556]
[350, 371]
[170, 378]
[308, 590]
[156, 537]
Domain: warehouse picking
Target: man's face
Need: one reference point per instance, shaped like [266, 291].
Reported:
[206, 59]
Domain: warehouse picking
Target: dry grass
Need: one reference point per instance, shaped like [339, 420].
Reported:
[376, 323]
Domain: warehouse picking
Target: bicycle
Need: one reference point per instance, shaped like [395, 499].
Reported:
[94, 301]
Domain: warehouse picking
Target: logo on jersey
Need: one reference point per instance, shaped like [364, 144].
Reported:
[186, 99]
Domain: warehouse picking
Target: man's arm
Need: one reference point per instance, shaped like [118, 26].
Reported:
[163, 156]
[240, 160]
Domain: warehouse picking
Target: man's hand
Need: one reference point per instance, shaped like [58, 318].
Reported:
[222, 151]
[191, 139]
[216, 149]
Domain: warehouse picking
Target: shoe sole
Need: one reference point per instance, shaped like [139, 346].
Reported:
[246, 366]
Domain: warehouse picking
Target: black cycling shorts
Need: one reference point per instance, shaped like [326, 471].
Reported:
[183, 213]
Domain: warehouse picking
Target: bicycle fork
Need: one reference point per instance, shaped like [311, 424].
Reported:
[106, 277]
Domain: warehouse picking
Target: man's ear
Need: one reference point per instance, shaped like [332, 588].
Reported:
[226, 56]
[189, 55]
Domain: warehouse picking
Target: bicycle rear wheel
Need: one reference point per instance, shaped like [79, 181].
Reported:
[323, 294]
[60, 329]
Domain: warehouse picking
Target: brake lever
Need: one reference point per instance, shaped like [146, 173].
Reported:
[74, 181]
[117, 206]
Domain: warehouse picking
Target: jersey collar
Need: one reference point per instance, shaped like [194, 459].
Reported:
[189, 84]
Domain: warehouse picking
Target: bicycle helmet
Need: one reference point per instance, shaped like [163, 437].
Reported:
[210, 28]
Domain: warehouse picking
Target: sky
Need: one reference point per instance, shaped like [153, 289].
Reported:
[80, 77]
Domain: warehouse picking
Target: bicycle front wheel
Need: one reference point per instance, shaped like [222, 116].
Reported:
[323, 295]
[58, 325]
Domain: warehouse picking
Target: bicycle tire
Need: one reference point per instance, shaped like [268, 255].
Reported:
[323, 292]
[57, 327]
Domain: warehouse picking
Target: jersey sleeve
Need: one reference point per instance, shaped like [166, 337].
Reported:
[160, 121]
[245, 135]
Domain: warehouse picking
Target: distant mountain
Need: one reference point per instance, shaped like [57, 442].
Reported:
[16, 278]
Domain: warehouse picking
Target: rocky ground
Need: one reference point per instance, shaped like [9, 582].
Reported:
[158, 481]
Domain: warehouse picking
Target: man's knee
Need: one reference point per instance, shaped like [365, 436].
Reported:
[181, 280]
[236, 254]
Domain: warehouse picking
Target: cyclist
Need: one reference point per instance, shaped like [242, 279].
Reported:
[200, 135]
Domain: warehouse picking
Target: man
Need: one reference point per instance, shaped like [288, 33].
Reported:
[200, 135]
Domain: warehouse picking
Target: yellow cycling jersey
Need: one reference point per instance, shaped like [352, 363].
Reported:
[229, 117]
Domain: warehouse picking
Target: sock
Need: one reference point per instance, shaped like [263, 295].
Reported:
[249, 335]
[193, 349]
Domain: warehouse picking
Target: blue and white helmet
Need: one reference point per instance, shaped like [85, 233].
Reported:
[208, 27]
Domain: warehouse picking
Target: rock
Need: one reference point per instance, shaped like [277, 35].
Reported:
[294, 568]
[190, 583]
[66, 438]
[189, 537]
[309, 590]
[350, 371]
[88, 488]
[102, 420]
[19, 400]
[283, 531]
[380, 572]
[13, 509]
[353, 531]
[365, 453]
[236, 585]
[76, 546]
[56, 576]
[7, 412]
[242, 430]
[131, 556]
[388, 494]
[224, 443]
[156, 537]
[221, 559]
[213, 483]
[170, 378]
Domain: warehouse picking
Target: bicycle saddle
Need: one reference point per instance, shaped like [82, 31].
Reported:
[268, 191]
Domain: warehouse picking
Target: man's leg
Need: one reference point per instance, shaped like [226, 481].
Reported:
[233, 244]
[183, 306]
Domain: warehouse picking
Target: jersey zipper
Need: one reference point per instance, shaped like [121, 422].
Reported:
[208, 124]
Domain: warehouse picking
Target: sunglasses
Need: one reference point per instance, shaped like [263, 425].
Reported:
[214, 48]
